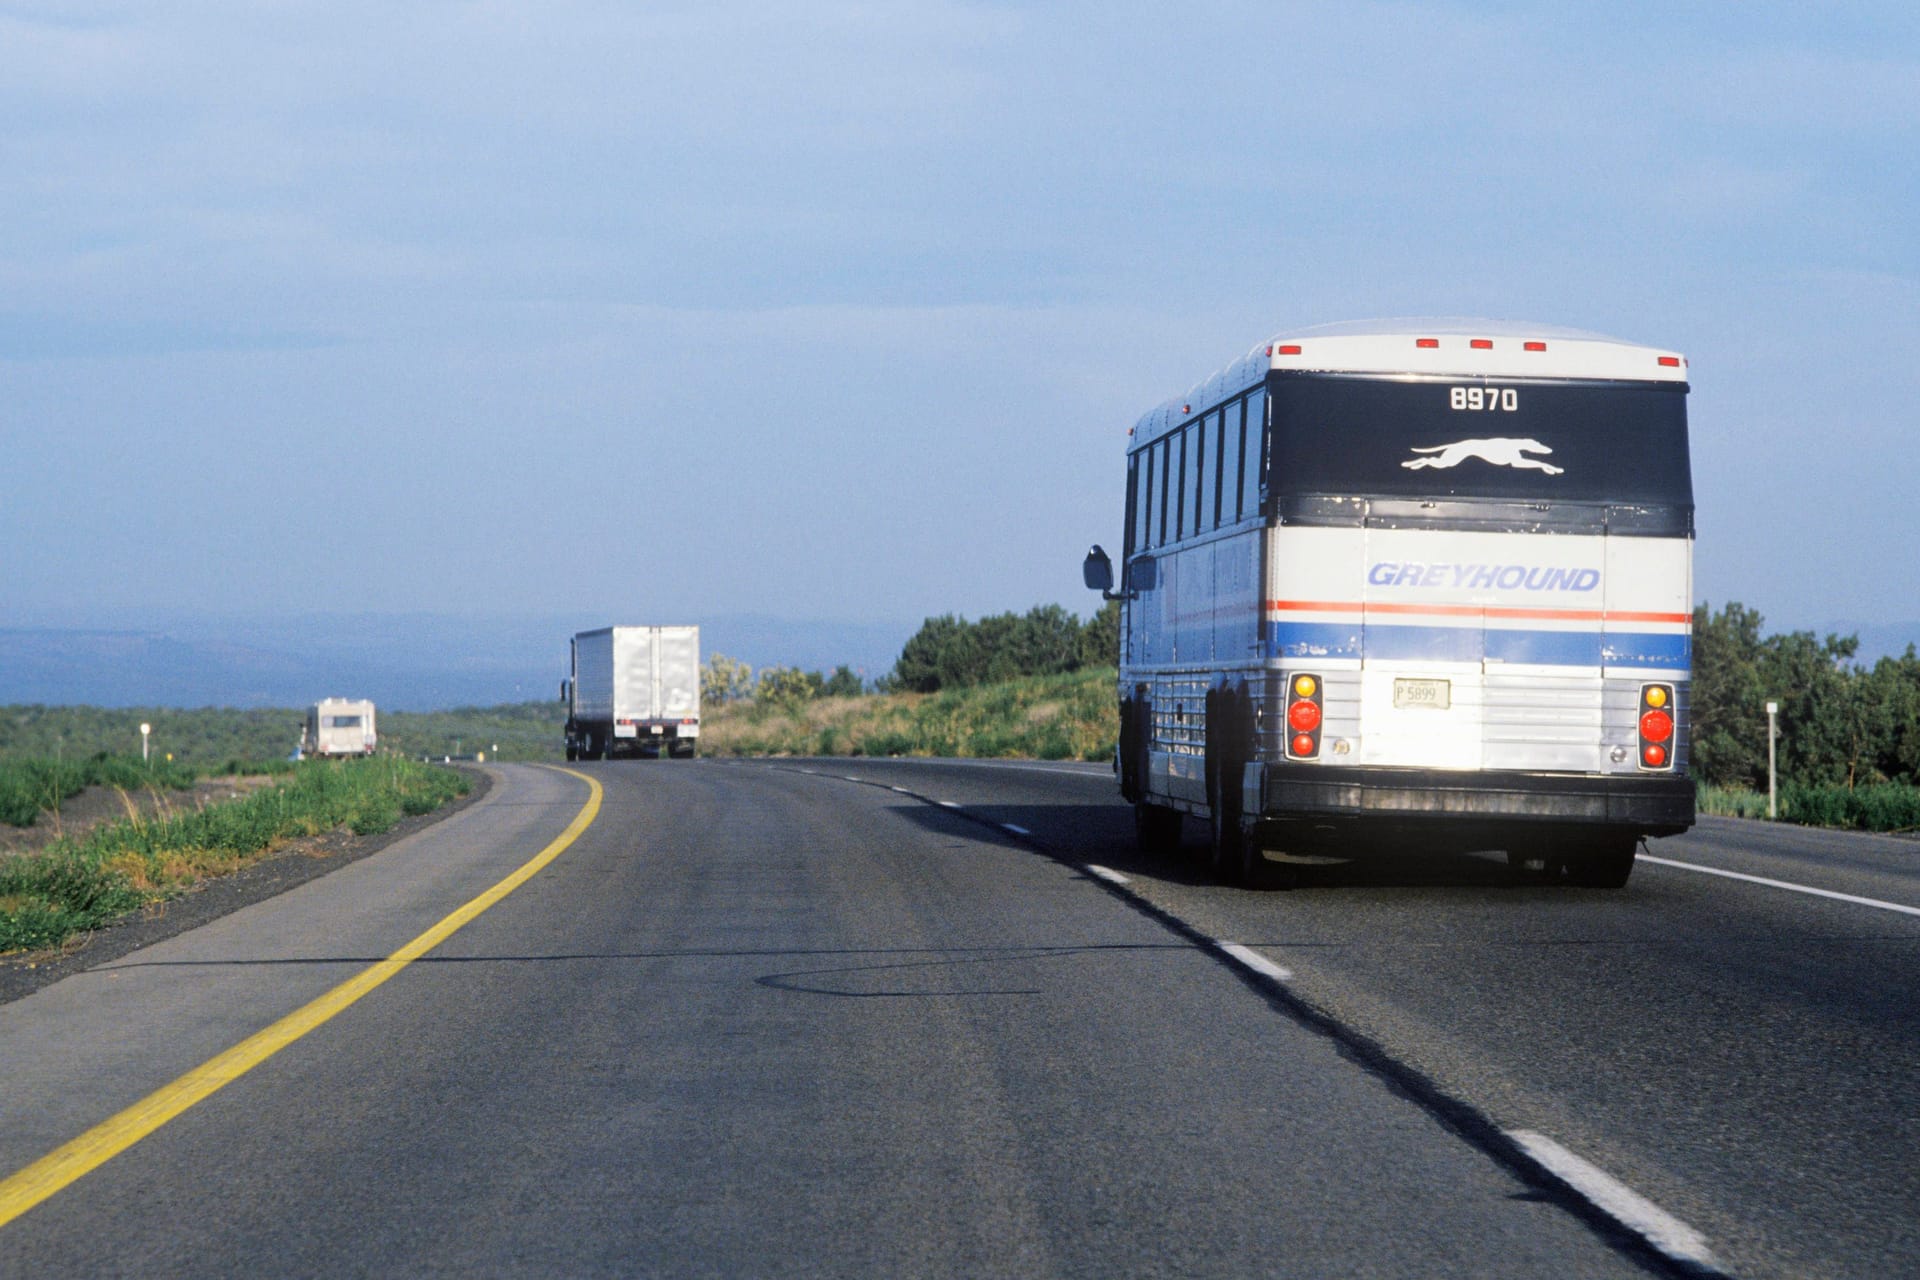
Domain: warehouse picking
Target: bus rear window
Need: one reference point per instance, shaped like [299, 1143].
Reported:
[1621, 443]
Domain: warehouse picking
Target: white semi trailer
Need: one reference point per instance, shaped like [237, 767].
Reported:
[633, 691]
[339, 727]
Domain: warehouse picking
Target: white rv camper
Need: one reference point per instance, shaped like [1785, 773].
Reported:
[338, 727]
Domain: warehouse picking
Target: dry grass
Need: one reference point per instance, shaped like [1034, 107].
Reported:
[1071, 716]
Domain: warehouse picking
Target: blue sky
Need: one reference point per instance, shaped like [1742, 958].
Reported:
[654, 311]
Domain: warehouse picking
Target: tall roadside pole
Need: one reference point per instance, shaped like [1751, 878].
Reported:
[1773, 803]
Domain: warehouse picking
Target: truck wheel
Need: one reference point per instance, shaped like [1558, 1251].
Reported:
[573, 752]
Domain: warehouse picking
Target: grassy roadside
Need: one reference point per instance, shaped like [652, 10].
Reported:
[1892, 807]
[1059, 717]
[31, 787]
[78, 884]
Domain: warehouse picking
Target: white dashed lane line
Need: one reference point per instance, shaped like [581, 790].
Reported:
[1617, 1200]
[1660, 1229]
[1255, 961]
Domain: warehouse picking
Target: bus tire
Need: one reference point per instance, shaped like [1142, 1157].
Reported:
[1606, 864]
[1233, 853]
[1156, 828]
[1227, 843]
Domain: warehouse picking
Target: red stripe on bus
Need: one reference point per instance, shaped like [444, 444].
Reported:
[1475, 611]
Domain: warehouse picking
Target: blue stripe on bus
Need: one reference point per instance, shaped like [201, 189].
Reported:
[1648, 649]
[1313, 640]
[1471, 644]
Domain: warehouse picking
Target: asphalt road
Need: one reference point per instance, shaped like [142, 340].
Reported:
[783, 1019]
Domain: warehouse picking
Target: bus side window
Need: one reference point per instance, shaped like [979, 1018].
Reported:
[1216, 466]
[1204, 448]
[1253, 452]
[1132, 538]
[1142, 500]
[1230, 428]
[1161, 487]
[1180, 489]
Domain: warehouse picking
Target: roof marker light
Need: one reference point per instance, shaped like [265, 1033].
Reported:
[1426, 343]
[1481, 344]
[1288, 349]
[1535, 346]
[1670, 362]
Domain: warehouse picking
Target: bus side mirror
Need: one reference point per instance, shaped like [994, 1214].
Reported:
[1097, 572]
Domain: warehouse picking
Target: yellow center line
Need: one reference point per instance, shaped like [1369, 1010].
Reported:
[109, 1138]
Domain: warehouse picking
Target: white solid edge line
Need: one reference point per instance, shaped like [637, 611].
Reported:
[1108, 874]
[902, 790]
[1019, 831]
[1257, 962]
[1088, 768]
[1617, 1200]
[1783, 884]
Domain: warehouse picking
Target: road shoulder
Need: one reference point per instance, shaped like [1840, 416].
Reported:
[23, 974]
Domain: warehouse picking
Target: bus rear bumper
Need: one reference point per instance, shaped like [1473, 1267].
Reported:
[1650, 805]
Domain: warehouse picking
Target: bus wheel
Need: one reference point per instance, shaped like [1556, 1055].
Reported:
[1235, 853]
[1236, 856]
[1606, 865]
[1156, 828]
[1230, 853]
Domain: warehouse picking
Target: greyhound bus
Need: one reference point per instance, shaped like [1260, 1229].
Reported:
[1419, 582]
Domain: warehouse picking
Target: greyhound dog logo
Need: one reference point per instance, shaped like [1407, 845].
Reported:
[1499, 452]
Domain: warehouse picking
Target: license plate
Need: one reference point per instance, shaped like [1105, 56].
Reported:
[1437, 694]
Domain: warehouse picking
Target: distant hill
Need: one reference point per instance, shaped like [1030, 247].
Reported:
[415, 662]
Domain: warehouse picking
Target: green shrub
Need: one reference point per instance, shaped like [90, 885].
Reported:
[1887, 806]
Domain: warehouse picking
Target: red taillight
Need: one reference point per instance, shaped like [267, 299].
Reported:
[1290, 349]
[1304, 693]
[1657, 726]
[1670, 362]
[1426, 344]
